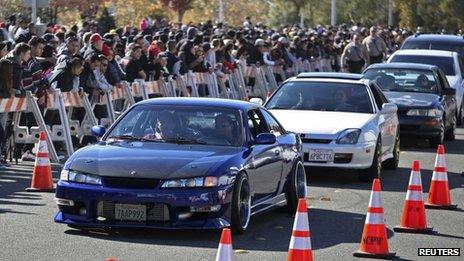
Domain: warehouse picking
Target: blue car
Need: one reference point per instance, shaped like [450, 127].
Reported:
[183, 163]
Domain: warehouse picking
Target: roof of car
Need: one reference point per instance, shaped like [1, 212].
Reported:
[394, 65]
[189, 101]
[445, 38]
[424, 52]
[330, 75]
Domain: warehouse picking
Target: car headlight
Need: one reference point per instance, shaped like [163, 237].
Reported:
[73, 176]
[205, 182]
[425, 112]
[349, 136]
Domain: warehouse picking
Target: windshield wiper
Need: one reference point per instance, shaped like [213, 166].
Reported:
[183, 140]
[277, 108]
[130, 137]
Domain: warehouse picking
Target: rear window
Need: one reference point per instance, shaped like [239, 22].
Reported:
[452, 47]
[403, 80]
[446, 64]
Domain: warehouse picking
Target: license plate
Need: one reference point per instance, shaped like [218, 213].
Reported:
[130, 212]
[321, 155]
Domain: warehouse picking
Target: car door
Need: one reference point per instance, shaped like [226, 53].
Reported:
[265, 167]
[448, 101]
[286, 141]
[388, 122]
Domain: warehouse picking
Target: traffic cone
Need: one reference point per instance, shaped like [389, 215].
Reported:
[225, 246]
[374, 242]
[413, 219]
[300, 243]
[42, 174]
[439, 194]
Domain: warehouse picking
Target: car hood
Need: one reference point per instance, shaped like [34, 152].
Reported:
[150, 160]
[412, 99]
[320, 122]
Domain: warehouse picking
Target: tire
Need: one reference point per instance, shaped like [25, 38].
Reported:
[393, 162]
[437, 140]
[450, 134]
[241, 204]
[296, 186]
[374, 171]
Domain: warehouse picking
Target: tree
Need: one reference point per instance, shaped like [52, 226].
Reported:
[178, 6]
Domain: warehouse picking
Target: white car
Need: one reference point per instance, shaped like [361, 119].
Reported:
[343, 120]
[447, 61]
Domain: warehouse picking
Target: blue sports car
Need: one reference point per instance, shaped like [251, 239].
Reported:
[183, 163]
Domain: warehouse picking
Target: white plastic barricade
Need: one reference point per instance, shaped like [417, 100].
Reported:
[239, 81]
[225, 93]
[22, 104]
[269, 75]
[191, 81]
[179, 86]
[158, 87]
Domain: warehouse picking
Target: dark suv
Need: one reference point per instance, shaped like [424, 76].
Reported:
[444, 42]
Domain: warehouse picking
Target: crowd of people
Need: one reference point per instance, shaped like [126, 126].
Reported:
[85, 58]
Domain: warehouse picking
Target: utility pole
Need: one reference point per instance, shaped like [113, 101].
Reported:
[221, 11]
[333, 16]
[390, 12]
[34, 11]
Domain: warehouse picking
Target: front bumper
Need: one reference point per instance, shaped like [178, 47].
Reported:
[420, 126]
[347, 156]
[177, 203]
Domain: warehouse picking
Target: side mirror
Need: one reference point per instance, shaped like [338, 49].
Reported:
[449, 91]
[265, 138]
[389, 108]
[258, 101]
[98, 131]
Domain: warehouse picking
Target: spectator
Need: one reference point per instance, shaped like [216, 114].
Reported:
[6, 91]
[114, 73]
[173, 64]
[33, 76]
[134, 69]
[71, 49]
[375, 46]
[3, 49]
[66, 74]
[95, 47]
[19, 55]
[87, 79]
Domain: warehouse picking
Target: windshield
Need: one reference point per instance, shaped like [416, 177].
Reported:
[403, 80]
[457, 47]
[180, 124]
[446, 64]
[321, 96]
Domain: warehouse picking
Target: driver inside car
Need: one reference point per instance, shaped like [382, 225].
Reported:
[164, 127]
[224, 126]
[341, 98]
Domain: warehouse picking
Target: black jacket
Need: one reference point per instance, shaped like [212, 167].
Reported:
[62, 74]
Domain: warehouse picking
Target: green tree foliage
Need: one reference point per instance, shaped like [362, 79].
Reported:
[106, 20]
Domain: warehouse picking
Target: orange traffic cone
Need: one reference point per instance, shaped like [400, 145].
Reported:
[439, 194]
[225, 246]
[42, 174]
[413, 219]
[374, 238]
[300, 243]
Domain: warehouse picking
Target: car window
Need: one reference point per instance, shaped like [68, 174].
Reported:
[459, 48]
[446, 64]
[321, 96]
[257, 123]
[403, 80]
[273, 125]
[461, 66]
[171, 123]
[443, 80]
[378, 96]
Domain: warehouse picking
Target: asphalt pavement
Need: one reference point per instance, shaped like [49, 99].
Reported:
[337, 210]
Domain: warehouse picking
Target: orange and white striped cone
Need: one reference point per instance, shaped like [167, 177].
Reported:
[42, 174]
[413, 219]
[300, 243]
[225, 250]
[439, 193]
[374, 242]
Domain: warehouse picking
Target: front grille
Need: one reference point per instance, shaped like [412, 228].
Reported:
[130, 183]
[318, 141]
[155, 211]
